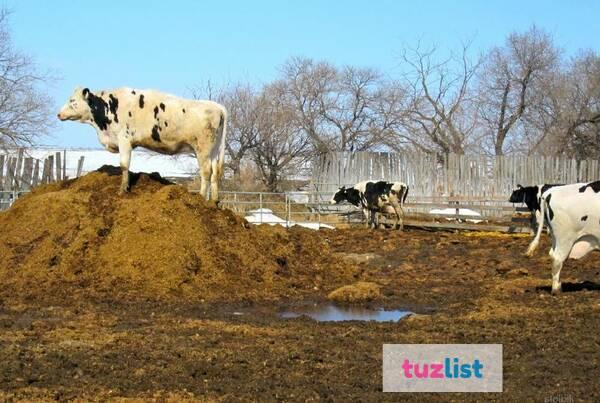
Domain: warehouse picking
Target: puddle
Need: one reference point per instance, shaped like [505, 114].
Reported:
[335, 313]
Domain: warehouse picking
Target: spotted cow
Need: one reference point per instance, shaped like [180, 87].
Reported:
[375, 197]
[126, 118]
[573, 216]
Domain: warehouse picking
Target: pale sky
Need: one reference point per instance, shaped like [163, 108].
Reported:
[174, 45]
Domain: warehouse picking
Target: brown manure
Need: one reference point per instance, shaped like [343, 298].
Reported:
[357, 292]
[158, 242]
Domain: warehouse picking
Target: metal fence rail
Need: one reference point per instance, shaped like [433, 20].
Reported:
[296, 207]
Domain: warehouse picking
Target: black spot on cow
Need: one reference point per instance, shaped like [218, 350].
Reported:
[99, 109]
[155, 112]
[351, 195]
[183, 110]
[527, 195]
[113, 105]
[594, 185]
[129, 113]
[141, 101]
[548, 186]
[162, 106]
[550, 212]
[584, 218]
[166, 124]
[155, 134]
[374, 190]
[133, 92]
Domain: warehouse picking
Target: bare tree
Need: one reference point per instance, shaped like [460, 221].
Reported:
[512, 81]
[307, 86]
[242, 103]
[25, 110]
[339, 109]
[439, 114]
[569, 117]
[282, 147]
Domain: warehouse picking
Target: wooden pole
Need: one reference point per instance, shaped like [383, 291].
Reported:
[80, 166]
[58, 166]
[36, 174]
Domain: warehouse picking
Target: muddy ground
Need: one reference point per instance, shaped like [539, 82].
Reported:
[470, 288]
[160, 295]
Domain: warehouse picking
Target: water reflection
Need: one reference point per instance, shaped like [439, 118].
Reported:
[335, 313]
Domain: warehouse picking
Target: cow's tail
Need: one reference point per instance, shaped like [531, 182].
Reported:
[221, 134]
[405, 194]
[534, 244]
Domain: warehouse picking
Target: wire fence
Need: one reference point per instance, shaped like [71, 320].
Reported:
[312, 209]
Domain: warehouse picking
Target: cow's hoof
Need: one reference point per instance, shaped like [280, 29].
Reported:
[123, 191]
[556, 291]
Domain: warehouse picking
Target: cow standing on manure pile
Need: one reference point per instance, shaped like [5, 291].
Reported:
[375, 198]
[126, 118]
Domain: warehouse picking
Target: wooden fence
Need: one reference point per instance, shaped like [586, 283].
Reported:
[474, 177]
[20, 172]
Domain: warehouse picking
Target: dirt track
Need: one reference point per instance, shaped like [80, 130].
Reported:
[480, 288]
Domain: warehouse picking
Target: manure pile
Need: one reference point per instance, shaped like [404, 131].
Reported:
[79, 238]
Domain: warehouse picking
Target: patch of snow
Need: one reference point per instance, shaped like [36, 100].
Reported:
[461, 211]
[266, 216]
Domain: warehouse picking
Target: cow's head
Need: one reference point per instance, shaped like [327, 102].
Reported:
[77, 107]
[525, 194]
[339, 196]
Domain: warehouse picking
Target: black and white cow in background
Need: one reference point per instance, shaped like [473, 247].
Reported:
[375, 197]
[573, 216]
[531, 195]
[126, 118]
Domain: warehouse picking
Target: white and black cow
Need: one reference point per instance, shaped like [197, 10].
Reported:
[573, 216]
[375, 197]
[126, 118]
[531, 195]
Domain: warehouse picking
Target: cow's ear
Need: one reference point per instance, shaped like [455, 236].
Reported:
[519, 186]
[85, 92]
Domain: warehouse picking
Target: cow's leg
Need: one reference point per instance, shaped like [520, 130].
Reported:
[125, 160]
[215, 176]
[399, 215]
[559, 252]
[205, 169]
[556, 267]
[367, 214]
[374, 218]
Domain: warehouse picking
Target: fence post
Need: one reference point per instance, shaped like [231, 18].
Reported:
[57, 159]
[288, 207]
[79, 166]
[260, 201]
